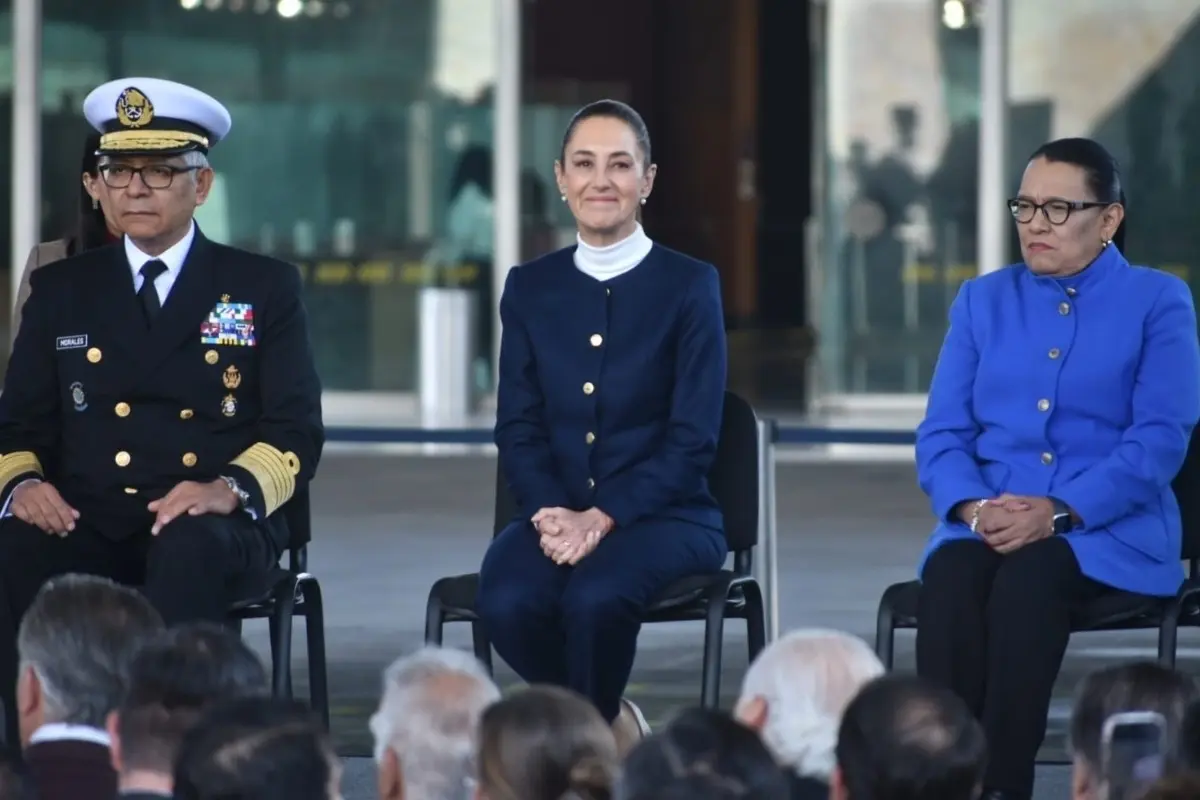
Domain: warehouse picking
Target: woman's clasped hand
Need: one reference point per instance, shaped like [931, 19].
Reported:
[567, 536]
[1009, 522]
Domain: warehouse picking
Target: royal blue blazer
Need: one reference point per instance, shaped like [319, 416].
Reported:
[1085, 389]
[610, 392]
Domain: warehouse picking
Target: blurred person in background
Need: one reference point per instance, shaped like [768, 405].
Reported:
[545, 743]
[259, 748]
[612, 379]
[76, 646]
[427, 725]
[96, 226]
[904, 737]
[702, 754]
[1061, 409]
[173, 679]
[1129, 687]
[794, 695]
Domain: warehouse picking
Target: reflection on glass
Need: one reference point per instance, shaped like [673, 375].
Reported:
[349, 121]
[899, 212]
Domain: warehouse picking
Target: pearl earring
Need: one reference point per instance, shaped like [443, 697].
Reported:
[95, 204]
[643, 201]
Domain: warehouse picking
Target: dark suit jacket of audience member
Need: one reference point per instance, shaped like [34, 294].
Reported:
[808, 788]
[69, 769]
[610, 392]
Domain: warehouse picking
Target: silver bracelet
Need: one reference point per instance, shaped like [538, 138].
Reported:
[975, 515]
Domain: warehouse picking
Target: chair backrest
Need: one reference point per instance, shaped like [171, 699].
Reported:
[732, 479]
[297, 515]
[1187, 491]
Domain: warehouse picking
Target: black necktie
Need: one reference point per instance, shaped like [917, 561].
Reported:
[148, 294]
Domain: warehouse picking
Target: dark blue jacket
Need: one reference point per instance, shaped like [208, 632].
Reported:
[610, 393]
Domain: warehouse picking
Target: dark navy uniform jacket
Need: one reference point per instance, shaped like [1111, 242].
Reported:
[610, 392]
[115, 414]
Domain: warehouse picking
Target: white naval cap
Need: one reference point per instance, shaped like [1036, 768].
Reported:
[155, 116]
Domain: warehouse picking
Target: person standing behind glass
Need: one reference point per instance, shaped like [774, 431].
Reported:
[95, 227]
[611, 385]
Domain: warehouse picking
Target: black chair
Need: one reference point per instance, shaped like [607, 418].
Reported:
[1118, 611]
[284, 595]
[728, 594]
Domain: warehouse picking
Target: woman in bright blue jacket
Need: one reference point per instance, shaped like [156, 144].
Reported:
[1060, 410]
[611, 384]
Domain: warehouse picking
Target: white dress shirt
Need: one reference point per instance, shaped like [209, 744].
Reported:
[172, 258]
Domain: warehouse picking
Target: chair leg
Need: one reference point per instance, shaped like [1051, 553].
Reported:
[1168, 632]
[481, 645]
[314, 630]
[435, 618]
[885, 634]
[756, 621]
[714, 634]
[280, 621]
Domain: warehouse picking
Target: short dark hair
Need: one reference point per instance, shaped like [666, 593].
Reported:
[260, 747]
[703, 754]
[172, 680]
[903, 736]
[81, 635]
[1101, 171]
[91, 227]
[1144, 686]
[612, 109]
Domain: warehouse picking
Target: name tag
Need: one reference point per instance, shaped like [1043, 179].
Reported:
[229, 324]
[71, 342]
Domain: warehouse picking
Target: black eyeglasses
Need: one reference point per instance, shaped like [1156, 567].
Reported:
[155, 176]
[1056, 211]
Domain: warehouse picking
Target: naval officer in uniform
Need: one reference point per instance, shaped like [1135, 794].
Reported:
[611, 386]
[161, 403]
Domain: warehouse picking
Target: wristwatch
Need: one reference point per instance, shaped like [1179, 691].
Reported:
[1062, 517]
[242, 495]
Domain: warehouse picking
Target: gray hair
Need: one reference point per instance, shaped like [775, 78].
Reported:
[79, 637]
[195, 159]
[807, 678]
[429, 717]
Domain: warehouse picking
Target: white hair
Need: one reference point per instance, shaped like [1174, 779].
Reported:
[429, 717]
[807, 678]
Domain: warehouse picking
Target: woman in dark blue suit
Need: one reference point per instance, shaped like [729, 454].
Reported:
[1060, 411]
[611, 382]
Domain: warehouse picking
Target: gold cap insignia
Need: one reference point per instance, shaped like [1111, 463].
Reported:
[134, 109]
[231, 377]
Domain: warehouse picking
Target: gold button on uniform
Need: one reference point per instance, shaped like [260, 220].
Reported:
[1055, 352]
[591, 484]
[122, 459]
[189, 459]
[1047, 458]
[1043, 404]
[130, 490]
[591, 437]
[211, 357]
[1064, 308]
[186, 413]
[596, 340]
[122, 409]
[589, 387]
[94, 355]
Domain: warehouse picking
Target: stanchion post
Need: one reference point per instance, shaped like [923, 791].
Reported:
[766, 570]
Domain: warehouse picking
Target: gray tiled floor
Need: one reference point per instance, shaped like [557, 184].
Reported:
[387, 526]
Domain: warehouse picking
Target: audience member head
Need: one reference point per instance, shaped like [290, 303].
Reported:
[1129, 687]
[796, 690]
[174, 678]
[604, 172]
[257, 747]
[1179, 787]
[703, 754]
[75, 646]
[427, 724]
[545, 743]
[905, 737]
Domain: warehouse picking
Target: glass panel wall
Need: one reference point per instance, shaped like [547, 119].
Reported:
[898, 216]
[6, 106]
[360, 148]
[1128, 75]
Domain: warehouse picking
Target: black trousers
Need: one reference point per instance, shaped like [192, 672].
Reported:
[994, 629]
[190, 572]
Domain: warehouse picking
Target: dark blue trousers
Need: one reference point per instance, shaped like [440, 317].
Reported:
[577, 626]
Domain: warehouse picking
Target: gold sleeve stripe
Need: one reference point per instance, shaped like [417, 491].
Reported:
[275, 472]
[16, 464]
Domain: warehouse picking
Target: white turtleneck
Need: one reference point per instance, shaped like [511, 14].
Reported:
[606, 263]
